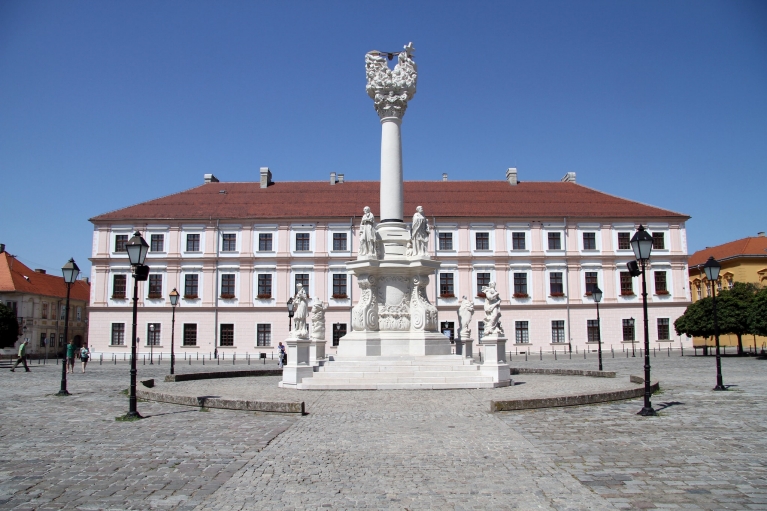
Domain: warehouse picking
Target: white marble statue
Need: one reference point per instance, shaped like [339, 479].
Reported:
[419, 233]
[367, 234]
[300, 304]
[492, 311]
[318, 320]
[465, 312]
[391, 89]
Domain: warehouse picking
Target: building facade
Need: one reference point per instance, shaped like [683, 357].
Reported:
[39, 301]
[236, 251]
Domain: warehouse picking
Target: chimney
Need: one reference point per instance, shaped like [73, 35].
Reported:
[340, 179]
[266, 177]
[87, 280]
[444, 176]
[39, 270]
[569, 178]
[511, 176]
[333, 179]
[2, 248]
[210, 178]
[759, 234]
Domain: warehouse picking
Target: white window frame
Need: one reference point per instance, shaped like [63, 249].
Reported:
[303, 229]
[524, 228]
[562, 268]
[336, 270]
[191, 270]
[113, 233]
[661, 266]
[451, 267]
[636, 283]
[155, 270]
[451, 229]
[528, 270]
[192, 229]
[128, 286]
[622, 227]
[272, 229]
[264, 270]
[230, 229]
[529, 332]
[480, 268]
[271, 334]
[664, 228]
[338, 229]
[547, 228]
[229, 270]
[477, 228]
[292, 280]
[589, 228]
[591, 268]
[157, 229]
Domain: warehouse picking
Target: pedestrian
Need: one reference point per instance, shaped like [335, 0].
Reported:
[22, 356]
[281, 356]
[85, 355]
[71, 356]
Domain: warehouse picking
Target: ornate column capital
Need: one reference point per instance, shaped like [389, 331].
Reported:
[389, 89]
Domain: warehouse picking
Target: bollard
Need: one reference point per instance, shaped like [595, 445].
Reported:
[203, 360]
[248, 356]
[681, 348]
[526, 356]
[234, 357]
[669, 351]
[627, 353]
[144, 359]
[653, 351]
[541, 353]
[218, 361]
[555, 354]
[571, 354]
[613, 351]
[190, 360]
[584, 353]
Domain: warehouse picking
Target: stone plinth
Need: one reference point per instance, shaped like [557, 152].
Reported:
[298, 366]
[464, 347]
[316, 352]
[494, 363]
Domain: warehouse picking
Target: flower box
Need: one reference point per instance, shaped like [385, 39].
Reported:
[588, 293]
[227, 296]
[340, 296]
[191, 297]
[663, 292]
[447, 295]
[264, 296]
[118, 297]
[154, 295]
[481, 295]
[627, 293]
[557, 295]
[521, 295]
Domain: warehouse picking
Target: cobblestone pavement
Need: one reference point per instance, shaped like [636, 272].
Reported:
[390, 449]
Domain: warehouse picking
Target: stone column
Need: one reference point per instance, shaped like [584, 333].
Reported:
[392, 194]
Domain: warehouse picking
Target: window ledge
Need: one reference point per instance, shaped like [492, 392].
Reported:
[152, 346]
[628, 294]
[594, 342]
[264, 297]
[449, 295]
[154, 297]
[665, 340]
[520, 295]
[119, 297]
[227, 347]
[340, 297]
[188, 346]
[522, 344]
[557, 295]
[227, 297]
[663, 293]
[117, 346]
[629, 342]
[558, 344]
[481, 295]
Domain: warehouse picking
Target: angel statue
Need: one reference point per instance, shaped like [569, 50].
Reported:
[367, 234]
[465, 312]
[391, 90]
[300, 303]
[419, 233]
[318, 320]
[492, 311]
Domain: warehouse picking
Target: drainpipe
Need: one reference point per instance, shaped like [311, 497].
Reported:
[215, 292]
[567, 284]
[351, 280]
[436, 272]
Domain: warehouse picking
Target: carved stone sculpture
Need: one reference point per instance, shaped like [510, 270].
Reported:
[301, 303]
[419, 233]
[367, 234]
[365, 313]
[391, 89]
[492, 311]
[423, 314]
[465, 312]
[318, 320]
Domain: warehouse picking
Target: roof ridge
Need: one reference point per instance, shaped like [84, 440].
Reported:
[631, 200]
[150, 200]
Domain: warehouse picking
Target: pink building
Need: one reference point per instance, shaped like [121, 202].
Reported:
[235, 252]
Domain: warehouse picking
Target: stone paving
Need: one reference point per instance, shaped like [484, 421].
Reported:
[390, 449]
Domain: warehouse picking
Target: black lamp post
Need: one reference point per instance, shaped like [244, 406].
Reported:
[173, 302]
[137, 249]
[70, 271]
[633, 337]
[712, 268]
[290, 313]
[596, 294]
[151, 344]
[641, 243]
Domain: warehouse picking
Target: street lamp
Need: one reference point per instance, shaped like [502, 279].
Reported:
[290, 313]
[137, 248]
[70, 271]
[712, 268]
[596, 294]
[641, 243]
[633, 337]
[151, 344]
[173, 301]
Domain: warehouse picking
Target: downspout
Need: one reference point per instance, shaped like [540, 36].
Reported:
[215, 291]
[436, 272]
[567, 284]
[351, 279]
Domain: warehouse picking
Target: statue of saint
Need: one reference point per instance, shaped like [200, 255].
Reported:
[318, 320]
[419, 233]
[300, 302]
[492, 311]
[465, 312]
[367, 234]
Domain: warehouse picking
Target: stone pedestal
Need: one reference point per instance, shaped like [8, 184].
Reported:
[494, 361]
[464, 347]
[298, 366]
[316, 352]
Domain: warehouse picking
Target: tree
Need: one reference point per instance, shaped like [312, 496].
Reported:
[697, 320]
[733, 307]
[758, 313]
[9, 327]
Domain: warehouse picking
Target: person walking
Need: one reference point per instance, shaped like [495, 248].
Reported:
[282, 356]
[22, 356]
[85, 355]
[71, 356]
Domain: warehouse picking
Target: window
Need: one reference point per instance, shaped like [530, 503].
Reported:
[591, 281]
[480, 330]
[264, 286]
[191, 285]
[157, 243]
[483, 279]
[79, 313]
[628, 330]
[558, 331]
[555, 241]
[42, 340]
[14, 307]
[520, 285]
[624, 241]
[263, 335]
[518, 241]
[227, 286]
[339, 330]
[482, 240]
[155, 285]
[229, 242]
[446, 241]
[53, 311]
[227, 334]
[303, 279]
[190, 334]
[446, 289]
[627, 284]
[660, 283]
[339, 285]
[44, 313]
[192, 242]
[521, 332]
[302, 242]
[118, 335]
[339, 241]
[265, 242]
[153, 334]
[63, 312]
[119, 285]
[120, 242]
[589, 241]
[658, 241]
[555, 284]
[663, 333]
[592, 330]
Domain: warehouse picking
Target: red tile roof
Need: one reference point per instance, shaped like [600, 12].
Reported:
[746, 247]
[12, 278]
[307, 200]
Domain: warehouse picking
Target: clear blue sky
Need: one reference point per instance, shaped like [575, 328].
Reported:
[106, 104]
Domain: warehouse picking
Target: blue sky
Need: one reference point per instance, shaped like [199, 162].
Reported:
[107, 104]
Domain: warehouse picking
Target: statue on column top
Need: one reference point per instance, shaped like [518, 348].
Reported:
[367, 234]
[391, 90]
[419, 233]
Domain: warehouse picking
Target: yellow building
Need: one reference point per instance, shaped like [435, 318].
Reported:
[743, 260]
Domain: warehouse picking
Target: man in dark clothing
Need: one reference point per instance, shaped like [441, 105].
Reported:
[22, 356]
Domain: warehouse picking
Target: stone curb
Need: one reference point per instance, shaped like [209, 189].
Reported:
[584, 399]
[222, 374]
[564, 372]
[229, 404]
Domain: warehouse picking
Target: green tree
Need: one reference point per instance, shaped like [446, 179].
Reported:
[9, 327]
[758, 313]
[733, 310]
[697, 320]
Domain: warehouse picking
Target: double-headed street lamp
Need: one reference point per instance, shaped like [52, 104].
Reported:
[596, 294]
[70, 271]
[641, 243]
[137, 249]
[290, 313]
[712, 268]
[173, 302]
